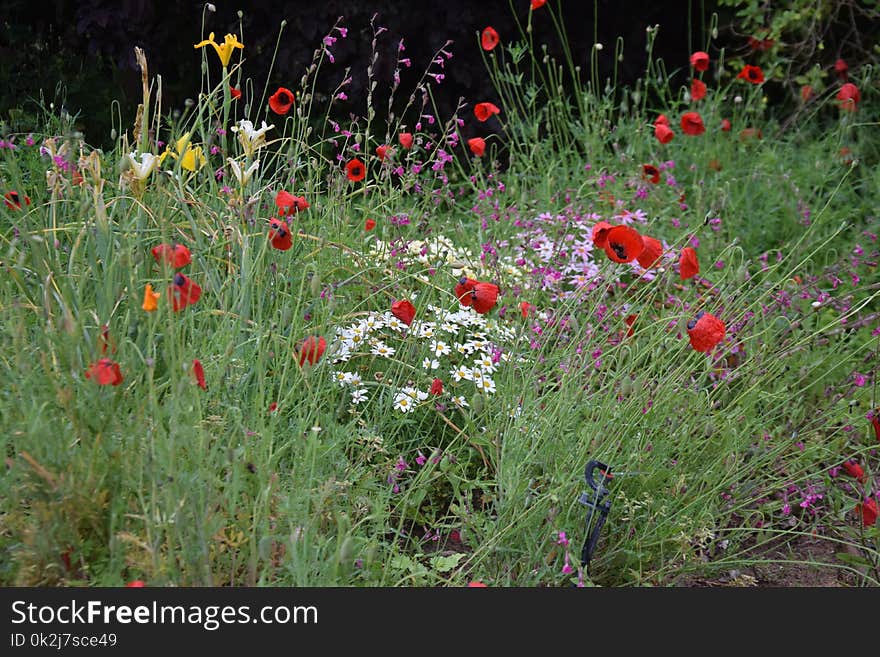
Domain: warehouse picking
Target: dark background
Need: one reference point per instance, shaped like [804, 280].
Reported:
[88, 45]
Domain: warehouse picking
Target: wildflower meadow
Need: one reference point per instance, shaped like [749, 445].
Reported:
[574, 333]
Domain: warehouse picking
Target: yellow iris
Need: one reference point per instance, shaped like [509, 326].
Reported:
[224, 50]
[191, 158]
[150, 299]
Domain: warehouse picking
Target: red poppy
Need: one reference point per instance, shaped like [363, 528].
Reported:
[806, 92]
[199, 373]
[477, 146]
[484, 297]
[382, 152]
[524, 308]
[692, 124]
[235, 93]
[698, 89]
[868, 511]
[760, 44]
[489, 38]
[875, 422]
[651, 253]
[725, 125]
[273, 407]
[688, 265]
[289, 204]
[629, 321]
[841, 68]
[624, 244]
[13, 200]
[406, 140]
[105, 372]
[700, 61]
[651, 173]
[485, 110]
[476, 585]
[355, 170]
[404, 311]
[311, 349]
[663, 133]
[599, 234]
[183, 292]
[537, 4]
[752, 74]
[106, 341]
[177, 256]
[854, 470]
[281, 101]
[661, 120]
[135, 584]
[369, 224]
[280, 235]
[436, 387]
[463, 288]
[705, 332]
[849, 97]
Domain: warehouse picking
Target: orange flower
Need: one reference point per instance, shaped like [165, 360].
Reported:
[281, 101]
[105, 372]
[477, 146]
[849, 97]
[150, 299]
[698, 89]
[651, 173]
[406, 140]
[311, 349]
[624, 244]
[489, 38]
[688, 265]
[692, 124]
[651, 253]
[752, 74]
[199, 373]
[700, 61]
[404, 311]
[355, 170]
[280, 236]
[485, 110]
[705, 332]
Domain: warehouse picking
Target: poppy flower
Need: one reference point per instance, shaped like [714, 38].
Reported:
[624, 244]
[760, 44]
[698, 89]
[662, 119]
[629, 321]
[382, 152]
[688, 265]
[13, 200]
[199, 372]
[875, 422]
[476, 584]
[692, 124]
[369, 224]
[235, 93]
[705, 332]
[135, 584]
[599, 234]
[537, 4]
[436, 387]
[725, 125]
[651, 253]
[841, 68]
[281, 101]
[483, 111]
[463, 288]
[477, 146]
[700, 61]
[406, 140]
[404, 311]
[806, 93]
[106, 341]
[651, 173]
[489, 38]
[280, 235]
[752, 74]
[749, 134]
[289, 204]
[483, 297]
[868, 511]
[150, 299]
[524, 308]
[176, 256]
[105, 372]
[311, 349]
[355, 170]
[849, 97]
[183, 292]
[273, 407]
[854, 470]
[663, 133]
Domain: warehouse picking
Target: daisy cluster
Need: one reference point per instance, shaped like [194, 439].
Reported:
[460, 351]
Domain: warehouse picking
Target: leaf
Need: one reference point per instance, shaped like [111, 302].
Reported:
[446, 564]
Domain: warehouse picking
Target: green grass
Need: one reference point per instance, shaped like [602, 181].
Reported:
[157, 479]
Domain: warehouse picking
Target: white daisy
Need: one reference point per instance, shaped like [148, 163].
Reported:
[462, 372]
[439, 348]
[403, 403]
[358, 396]
[382, 349]
[485, 384]
[484, 362]
[429, 364]
[460, 401]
